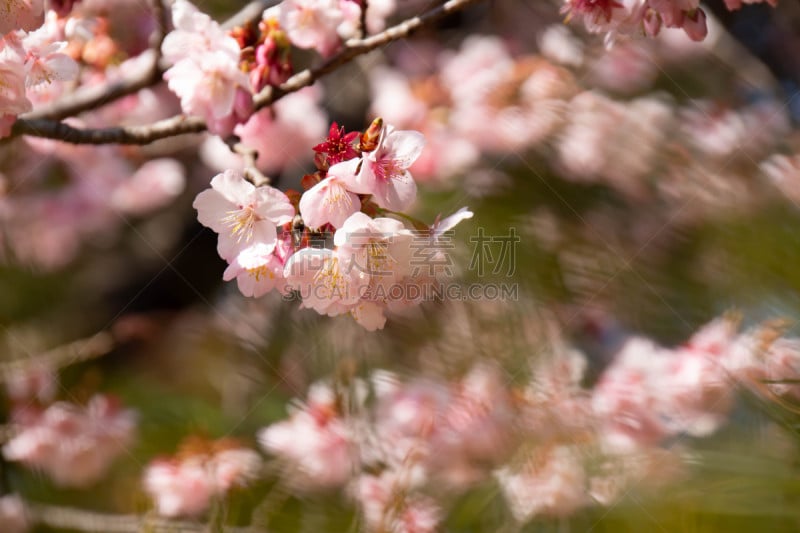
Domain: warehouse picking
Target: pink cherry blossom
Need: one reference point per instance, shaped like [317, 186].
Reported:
[73, 445]
[13, 100]
[206, 74]
[384, 171]
[234, 467]
[312, 23]
[44, 60]
[37, 381]
[21, 15]
[185, 485]
[625, 398]
[388, 506]
[195, 35]
[315, 441]
[696, 392]
[182, 489]
[329, 201]
[379, 247]
[280, 134]
[216, 90]
[257, 271]
[242, 214]
[328, 282]
[154, 185]
[551, 483]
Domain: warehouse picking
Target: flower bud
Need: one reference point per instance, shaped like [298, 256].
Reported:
[369, 139]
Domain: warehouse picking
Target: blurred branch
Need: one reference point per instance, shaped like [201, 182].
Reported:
[182, 124]
[81, 350]
[56, 517]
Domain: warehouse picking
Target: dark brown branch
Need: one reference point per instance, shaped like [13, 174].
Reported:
[363, 20]
[180, 124]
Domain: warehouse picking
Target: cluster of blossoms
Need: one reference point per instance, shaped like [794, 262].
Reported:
[554, 445]
[536, 104]
[646, 17]
[339, 255]
[201, 471]
[216, 73]
[323, 25]
[74, 445]
[32, 57]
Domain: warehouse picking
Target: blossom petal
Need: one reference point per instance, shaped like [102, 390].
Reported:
[233, 187]
[404, 146]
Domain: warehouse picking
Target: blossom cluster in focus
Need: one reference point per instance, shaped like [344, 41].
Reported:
[340, 254]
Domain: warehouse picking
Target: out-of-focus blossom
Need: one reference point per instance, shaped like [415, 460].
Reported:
[625, 399]
[71, 444]
[184, 485]
[281, 134]
[13, 515]
[551, 483]
[315, 441]
[154, 185]
[388, 506]
[24, 15]
[36, 381]
[182, 489]
[559, 44]
[784, 173]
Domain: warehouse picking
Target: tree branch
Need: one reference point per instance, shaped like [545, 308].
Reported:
[182, 124]
[55, 517]
[97, 345]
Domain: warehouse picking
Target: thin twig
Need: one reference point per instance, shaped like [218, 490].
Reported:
[181, 124]
[67, 518]
[97, 345]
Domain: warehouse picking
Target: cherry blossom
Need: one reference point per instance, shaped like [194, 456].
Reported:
[257, 271]
[315, 441]
[24, 15]
[206, 74]
[185, 485]
[329, 201]
[553, 483]
[327, 281]
[242, 214]
[384, 171]
[73, 445]
[387, 506]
